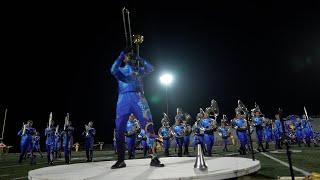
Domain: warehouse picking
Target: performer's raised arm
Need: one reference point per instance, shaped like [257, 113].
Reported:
[115, 69]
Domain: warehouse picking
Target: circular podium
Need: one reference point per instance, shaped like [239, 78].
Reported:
[175, 168]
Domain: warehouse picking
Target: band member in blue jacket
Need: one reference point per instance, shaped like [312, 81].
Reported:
[89, 134]
[26, 134]
[131, 99]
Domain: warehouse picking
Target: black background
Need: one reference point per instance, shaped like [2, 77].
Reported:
[57, 57]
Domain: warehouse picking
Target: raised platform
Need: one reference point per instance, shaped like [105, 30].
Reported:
[175, 168]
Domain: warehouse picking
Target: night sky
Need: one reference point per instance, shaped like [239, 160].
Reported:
[58, 57]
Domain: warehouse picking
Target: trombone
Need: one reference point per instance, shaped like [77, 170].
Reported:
[136, 39]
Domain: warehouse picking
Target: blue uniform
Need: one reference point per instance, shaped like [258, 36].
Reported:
[308, 132]
[198, 135]
[50, 142]
[36, 143]
[131, 138]
[142, 136]
[299, 132]
[241, 130]
[278, 133]
[67, 135]
[89, 141]
[130, 100]
[224, 131]
[257, 123]
[268, 134]
[186, 139]
[208, 135]
[57, 146]
[179, 135]
[165, 133]
[26, 141]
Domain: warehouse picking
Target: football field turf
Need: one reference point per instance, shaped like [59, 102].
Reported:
[304, 158]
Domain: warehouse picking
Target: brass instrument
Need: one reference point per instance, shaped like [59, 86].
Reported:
[137, 39]
[50, 120]
[86, 129]
[57, 130]
[165, 121]
[24, 126]
[66, 121]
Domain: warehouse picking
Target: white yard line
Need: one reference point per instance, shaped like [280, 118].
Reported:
[286, 164]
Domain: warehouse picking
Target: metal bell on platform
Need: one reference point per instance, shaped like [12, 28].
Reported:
[200, 164]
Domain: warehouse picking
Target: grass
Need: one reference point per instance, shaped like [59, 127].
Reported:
[307, 160]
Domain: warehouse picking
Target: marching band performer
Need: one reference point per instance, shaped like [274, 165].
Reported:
[209, 126]
[165, 133]
[89, 134]
[198, 132]
[258, 123]
[26, 139]
[278, 133]
[142, 137]
[224, 132]
[187, 133]
[133, 129]
[67, 136]
[50, 140]
[268, 135]
[36, 143]
[131, 100]
[178, 130]
[240, 125]
[308, 131]
[298, 131]
[57, 138]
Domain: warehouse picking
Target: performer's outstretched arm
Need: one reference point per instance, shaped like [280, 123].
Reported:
[147, 67]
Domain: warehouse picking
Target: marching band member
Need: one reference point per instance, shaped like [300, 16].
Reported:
[26, 139]
[224, 132]
[36, 143]
[89, 134]
[258, 123]
[133, 128]
[308, 131]
[278, 133]
[50, 140]
[178, 130]
[240, 125]
[198, 131]
[67, 136]
[268, 135]
[131, 100]
[187, 133]
[142, 137]
[165, 133]
[57, 139]
[298, 131]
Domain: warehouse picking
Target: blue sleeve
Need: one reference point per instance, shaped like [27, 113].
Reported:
[147, 67]
[93, 131]
[115, 69]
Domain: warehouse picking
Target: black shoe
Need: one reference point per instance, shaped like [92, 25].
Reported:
[118, 164]
[156, 162]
